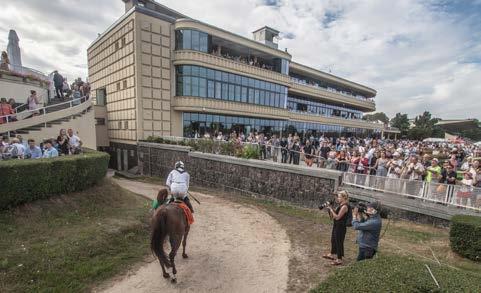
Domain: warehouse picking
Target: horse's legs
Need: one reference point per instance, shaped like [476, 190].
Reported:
[175, 244]
[164, 273]
[184, 242]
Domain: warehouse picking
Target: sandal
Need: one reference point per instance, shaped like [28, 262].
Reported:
[336, 263]
[327, 256]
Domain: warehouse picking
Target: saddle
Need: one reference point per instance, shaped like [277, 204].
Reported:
[187, 212]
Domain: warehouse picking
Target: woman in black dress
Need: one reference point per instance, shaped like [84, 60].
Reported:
[62, 141]
[339, 227]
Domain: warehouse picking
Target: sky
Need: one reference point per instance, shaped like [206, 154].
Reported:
[418, 55]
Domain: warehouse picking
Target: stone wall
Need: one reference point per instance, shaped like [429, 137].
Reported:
[306, 187]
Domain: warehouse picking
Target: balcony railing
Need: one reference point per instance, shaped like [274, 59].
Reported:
[227, 107]
[331, 95]
[200, 58]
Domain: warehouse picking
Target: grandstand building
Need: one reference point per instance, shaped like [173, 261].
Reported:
[157, 72]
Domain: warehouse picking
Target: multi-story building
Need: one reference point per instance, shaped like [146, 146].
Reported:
[157, 72]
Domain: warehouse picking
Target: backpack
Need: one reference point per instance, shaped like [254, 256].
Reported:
[349, 216]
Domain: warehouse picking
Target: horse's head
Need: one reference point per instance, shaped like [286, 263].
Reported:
[162, 195]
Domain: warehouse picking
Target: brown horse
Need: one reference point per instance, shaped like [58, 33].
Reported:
[168, 220]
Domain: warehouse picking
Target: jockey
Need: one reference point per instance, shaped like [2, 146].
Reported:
[178, 182]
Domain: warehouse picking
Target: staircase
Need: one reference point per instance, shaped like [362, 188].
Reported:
[57, 114]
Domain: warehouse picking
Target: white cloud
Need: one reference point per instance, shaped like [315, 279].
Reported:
[419, 55]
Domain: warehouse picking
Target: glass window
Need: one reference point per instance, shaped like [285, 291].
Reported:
[237, 93]
[245, 81]
[251, 96]
[202, 87]
[256, 83]
[187, 69]
[238, 79]
[195, 70]
[232, 78]
[210, 74]
[244, 94]
[187, 86]
[195, 86]
[218, 90]
[203, 42]
[256, 97]
[218, 75]
[251, 82]
[195, 41]
[225, 77]
[262, 98]
[187, 39]
[210, 89]
[225, 91]
[231, 92]
[202, 72]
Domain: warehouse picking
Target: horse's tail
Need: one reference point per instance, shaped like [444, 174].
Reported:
[157, 239]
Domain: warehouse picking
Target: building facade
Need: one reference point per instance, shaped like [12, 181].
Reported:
[157, 72]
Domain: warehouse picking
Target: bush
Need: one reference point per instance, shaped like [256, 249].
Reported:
[251, 152]
[398, 274]
[24, 181]
[465, 236]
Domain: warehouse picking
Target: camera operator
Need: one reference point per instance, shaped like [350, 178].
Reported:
[369, 225]
[340, 218]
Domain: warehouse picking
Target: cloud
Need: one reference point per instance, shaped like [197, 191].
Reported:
[419, 55]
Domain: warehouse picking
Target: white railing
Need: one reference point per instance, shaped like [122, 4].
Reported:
[40, 111]
[462, 196]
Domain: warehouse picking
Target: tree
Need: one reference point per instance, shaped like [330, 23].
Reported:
[424, 127]
[380, 116]
[401, 122]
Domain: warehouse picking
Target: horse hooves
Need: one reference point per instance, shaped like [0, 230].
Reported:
[166, 276]
[185, 255]
[174, 281]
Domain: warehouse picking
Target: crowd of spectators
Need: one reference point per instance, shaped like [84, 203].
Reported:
[67, 143]
[440, 162]
[253, 61]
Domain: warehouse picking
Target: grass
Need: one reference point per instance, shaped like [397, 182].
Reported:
[72, 242]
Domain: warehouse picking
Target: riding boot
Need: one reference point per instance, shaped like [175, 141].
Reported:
[187, 202]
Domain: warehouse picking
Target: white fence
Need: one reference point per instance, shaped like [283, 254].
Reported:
[454, 195]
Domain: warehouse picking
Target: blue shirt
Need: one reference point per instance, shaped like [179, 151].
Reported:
[34, 153]
[50, 153]
[369, 231]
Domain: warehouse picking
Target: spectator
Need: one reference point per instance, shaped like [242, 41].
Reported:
[369, 226]
[58, 83]
[284, 150]
[32, 151]
[75, 142]
[5, 62]
[434, 171]
[16, 150]
[33, 102]
[448, 175]
[381, 165]
[308, 151]
[63, 142]
[50, 151]
[6, 109]
[339, 227]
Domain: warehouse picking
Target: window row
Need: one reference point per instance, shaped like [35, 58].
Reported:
[199, 124]
[298, 104]
[188, 39]
[208, 83]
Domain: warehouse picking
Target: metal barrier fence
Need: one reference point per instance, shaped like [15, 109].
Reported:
[454, 195]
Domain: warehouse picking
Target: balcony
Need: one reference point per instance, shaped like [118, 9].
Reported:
[337, 97]
[213, 106]
[189, 57]
[308, 117]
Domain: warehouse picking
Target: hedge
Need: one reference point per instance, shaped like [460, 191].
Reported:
[399, 274]
[23, 181]
[465, 236]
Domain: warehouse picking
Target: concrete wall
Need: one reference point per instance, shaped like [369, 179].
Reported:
[84, 125]
[19, 88]
[302, 186]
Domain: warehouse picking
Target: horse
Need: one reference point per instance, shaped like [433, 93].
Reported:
[168, 220]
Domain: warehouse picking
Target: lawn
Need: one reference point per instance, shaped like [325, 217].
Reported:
[72, 242]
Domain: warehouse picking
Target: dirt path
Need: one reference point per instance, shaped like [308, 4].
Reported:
[231, 248]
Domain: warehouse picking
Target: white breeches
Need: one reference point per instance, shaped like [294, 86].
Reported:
[179, 191]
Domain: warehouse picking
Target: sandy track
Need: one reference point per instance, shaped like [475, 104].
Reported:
[231, 248]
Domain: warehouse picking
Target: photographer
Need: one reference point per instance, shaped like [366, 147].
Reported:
[369, 224]
[340, 218]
